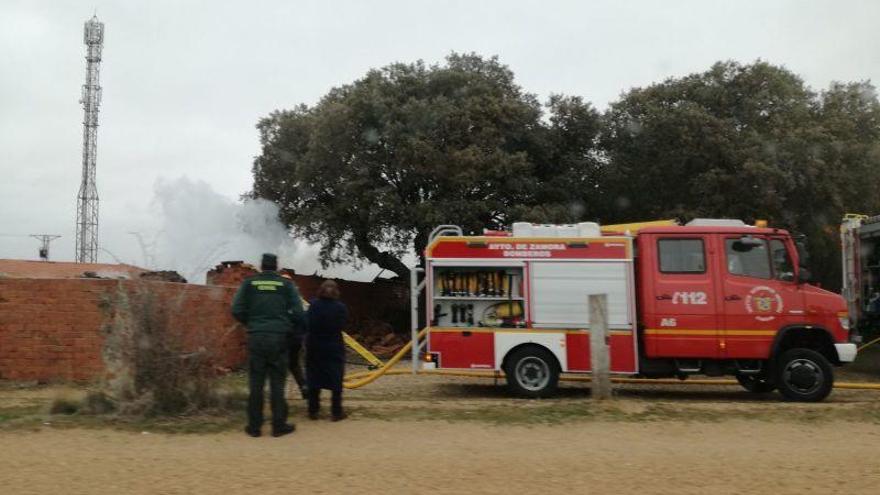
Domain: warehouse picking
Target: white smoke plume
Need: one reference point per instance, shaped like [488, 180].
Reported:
[197, 228]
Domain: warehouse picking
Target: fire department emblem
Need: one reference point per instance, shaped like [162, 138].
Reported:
[764, 302]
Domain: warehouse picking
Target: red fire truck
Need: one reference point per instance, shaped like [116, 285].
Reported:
[713, 297]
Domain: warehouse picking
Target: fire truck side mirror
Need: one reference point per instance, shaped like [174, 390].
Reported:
[746, 243]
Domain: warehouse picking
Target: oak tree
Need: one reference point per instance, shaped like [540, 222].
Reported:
[375, 165]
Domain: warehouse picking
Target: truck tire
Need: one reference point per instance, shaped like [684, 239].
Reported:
[532, 372]
[804, 375]
[757, 384]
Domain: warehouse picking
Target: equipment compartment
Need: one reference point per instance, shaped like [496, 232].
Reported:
[478, 297]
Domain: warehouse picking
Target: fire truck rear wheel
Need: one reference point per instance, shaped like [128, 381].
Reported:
[804, 375]
[532, 372]
[756, 384]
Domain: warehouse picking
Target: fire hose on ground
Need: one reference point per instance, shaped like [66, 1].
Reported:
[363, 378]
[865, 346]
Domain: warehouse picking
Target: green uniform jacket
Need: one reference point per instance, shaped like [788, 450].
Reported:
[269, 303]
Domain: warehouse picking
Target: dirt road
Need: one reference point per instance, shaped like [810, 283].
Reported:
[374, 456]
[463, 436]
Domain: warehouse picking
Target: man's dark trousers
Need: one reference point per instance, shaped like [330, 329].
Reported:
[267, 356]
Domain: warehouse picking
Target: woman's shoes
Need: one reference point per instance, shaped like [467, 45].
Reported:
[335, 417]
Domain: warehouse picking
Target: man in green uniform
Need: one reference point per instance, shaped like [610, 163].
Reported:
[270, 307]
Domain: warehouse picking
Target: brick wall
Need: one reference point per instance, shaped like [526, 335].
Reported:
[52, 329]
[371, 304]
[377, 306]
[230, 273]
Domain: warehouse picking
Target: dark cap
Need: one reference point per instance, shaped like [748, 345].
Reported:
[269, 262]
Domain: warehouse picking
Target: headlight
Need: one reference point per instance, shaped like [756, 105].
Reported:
[844, 322]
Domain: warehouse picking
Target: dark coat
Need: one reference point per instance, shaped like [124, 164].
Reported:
[325, 349]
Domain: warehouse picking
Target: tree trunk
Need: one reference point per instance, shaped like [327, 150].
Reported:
[420, 243]
[384, 259]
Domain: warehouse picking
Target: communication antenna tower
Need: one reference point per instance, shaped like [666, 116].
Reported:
[87, 199]
[45, 239]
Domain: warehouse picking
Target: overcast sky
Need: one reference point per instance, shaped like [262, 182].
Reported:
[184, 83]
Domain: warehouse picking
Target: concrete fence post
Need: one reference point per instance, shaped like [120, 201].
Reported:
[415, 292]
[600, 360]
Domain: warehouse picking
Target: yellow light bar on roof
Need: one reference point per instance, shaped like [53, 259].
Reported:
[761, 224]
[633, 228]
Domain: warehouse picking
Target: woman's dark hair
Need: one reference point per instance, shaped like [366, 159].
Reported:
[328, 290]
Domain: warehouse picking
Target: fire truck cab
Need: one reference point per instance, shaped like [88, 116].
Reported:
[714, 297]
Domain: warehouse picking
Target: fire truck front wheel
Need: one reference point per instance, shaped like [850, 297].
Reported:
[532, 372]
[804, 375]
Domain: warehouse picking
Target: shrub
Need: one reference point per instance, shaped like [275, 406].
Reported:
[64, 405]
[153, 367]
[97, 403]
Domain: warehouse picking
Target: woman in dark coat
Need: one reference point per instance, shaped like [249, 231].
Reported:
[325, 350]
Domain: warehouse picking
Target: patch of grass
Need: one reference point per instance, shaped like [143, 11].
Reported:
[525, 413]
[195, 424]
[8, 414]
[428, 399]
[96, 410]
[231, 416]
[21, 417]
[557, 412]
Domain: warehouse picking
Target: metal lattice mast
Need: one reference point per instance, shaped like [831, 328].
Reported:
[87, 199]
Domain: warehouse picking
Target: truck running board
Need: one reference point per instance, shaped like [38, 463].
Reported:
[749, 367]
[689, 365]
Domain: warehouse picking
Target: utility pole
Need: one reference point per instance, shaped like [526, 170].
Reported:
[87, 199]
[45, 239]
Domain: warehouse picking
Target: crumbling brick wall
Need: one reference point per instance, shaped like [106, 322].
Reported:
[230, 273]
[52, 329]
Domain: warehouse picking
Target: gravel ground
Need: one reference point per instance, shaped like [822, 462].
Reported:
[465, 435]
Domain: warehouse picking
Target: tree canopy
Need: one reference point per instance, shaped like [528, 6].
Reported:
[750, 142]
[376, 164]
[370, 169]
